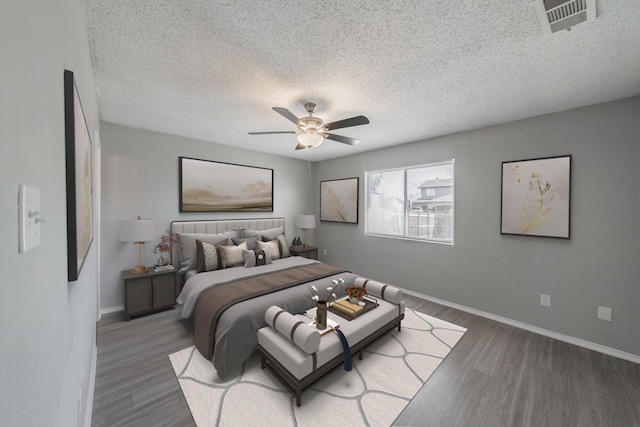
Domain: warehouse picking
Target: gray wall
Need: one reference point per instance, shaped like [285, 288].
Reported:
[47, 324]
[140, 177]
[504, 275]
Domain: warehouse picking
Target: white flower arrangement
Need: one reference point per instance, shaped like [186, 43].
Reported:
[331, 291]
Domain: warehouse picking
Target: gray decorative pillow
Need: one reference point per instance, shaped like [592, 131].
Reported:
[188, 248]
[269, 234]
[272, 246]
[208, 259]
[251, 241]
[255, 258]
[231, 256]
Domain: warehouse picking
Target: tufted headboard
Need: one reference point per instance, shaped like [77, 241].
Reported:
[218, 226]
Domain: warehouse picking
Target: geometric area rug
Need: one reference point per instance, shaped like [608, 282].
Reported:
[373, 393]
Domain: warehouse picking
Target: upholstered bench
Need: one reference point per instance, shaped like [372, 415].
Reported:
[300, 356]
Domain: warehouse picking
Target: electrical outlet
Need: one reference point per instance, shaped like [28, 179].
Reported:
[545, 300]
[324, 252]
[604, 313]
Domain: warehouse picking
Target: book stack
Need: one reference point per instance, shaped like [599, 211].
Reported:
[162, 267]
[350, 311]
[346, 307]
[331, 325]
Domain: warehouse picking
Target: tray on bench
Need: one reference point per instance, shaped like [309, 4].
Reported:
[370, 304]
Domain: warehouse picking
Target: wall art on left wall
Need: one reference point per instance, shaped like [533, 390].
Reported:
[79, 174]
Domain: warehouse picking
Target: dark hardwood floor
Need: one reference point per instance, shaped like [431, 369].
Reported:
[497, 375]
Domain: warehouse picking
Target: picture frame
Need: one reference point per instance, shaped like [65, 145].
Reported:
[210, 186]
[79, 179]
[536, 197]
[339, 200]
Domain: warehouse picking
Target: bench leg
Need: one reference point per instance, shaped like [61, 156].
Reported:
[298, 397]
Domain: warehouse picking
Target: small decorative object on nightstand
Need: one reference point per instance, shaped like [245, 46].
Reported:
[148, 292]
[167, 240]
[308, 252]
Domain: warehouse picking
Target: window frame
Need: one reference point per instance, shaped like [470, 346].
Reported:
[405, 234]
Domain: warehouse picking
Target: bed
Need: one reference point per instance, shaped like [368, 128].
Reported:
[228, 287]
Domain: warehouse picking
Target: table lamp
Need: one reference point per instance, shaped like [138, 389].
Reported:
[138, 231]
[306, 222]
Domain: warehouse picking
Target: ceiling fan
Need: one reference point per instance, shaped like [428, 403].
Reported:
[312, 130]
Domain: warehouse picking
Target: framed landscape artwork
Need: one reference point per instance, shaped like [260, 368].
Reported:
[536, 197]
[208, 186]
[339, 200]
[79, 174]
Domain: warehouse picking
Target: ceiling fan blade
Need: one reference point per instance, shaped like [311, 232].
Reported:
[343, 139]
[269, 133]
[353, 121]
[287, 114]
[300, 146]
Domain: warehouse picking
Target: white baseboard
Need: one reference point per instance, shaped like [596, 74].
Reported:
[111, 309]
[88, 410]
[535, 329]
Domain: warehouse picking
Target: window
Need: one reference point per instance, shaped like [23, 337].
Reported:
[411, 203]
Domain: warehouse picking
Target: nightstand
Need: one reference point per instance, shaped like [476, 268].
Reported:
[148, 292]
[307, 252]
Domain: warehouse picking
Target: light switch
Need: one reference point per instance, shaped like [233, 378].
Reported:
[28, 217]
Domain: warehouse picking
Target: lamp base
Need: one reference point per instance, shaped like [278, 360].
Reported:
[139, 269]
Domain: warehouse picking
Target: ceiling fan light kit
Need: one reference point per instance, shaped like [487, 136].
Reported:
[312, 130]
[310, 138]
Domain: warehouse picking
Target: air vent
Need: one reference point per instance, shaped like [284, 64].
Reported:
[556, 15]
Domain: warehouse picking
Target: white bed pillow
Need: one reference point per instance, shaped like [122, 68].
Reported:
[231, 256]
[272, 246]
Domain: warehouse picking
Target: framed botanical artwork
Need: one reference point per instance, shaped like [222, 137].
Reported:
[536, 197]
[79, 176]
[208, 186]
[339, 200]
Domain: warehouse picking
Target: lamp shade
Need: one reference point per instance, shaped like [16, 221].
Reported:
[137, 230]
[306, 222]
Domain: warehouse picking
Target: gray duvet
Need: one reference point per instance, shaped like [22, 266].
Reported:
[236, 334]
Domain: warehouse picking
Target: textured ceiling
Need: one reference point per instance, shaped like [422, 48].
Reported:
[212, 70]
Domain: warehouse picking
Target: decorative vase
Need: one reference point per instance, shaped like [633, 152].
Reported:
[321, 315]
[162, 261]
[354, 300]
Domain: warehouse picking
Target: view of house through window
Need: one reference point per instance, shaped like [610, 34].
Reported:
[413, 203]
